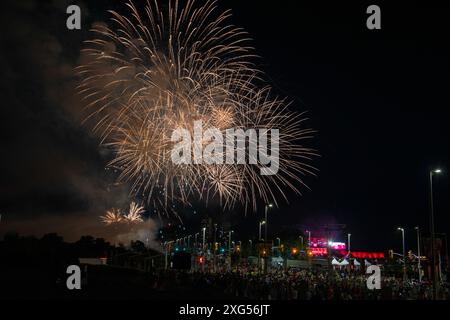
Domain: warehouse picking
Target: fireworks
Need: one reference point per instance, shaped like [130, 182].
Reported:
[134, 214]
[112, 216]
[115, 216]
[161, 69]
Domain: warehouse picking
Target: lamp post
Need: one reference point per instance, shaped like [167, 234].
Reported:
[301, 241]
[404, 255]
[266, 209]
[204, 236]
[309, 237]
[433, 240]
[348, 241]
[215, 241]
[418, 254]
[260, 224]
[229, 241]
[203, 248]
[165, 256]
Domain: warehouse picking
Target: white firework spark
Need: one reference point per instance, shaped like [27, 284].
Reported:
[134, 215]
[112, 216]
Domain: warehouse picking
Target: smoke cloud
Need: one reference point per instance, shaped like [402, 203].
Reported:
[53, 170]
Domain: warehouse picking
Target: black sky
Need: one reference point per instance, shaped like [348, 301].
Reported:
[378, 98]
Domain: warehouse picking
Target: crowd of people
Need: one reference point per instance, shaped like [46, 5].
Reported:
[299, 285]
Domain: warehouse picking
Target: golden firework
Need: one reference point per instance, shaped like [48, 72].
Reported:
[165, 68]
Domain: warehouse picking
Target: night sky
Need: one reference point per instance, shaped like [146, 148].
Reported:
[378, 99]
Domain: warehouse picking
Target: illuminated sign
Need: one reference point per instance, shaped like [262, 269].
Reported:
[367, 255]
[318, 243]
[323, 243]
[337, 245]
[318, 251]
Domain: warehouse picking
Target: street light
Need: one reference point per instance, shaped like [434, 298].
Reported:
[309, 237]
[418, 253]
[433, 240]
[165, 256]
[204, 236]
[279, 241]
[260, 224]
[266, 209]
[215, 232]
[229, 241]
[189, 242]
[196, 235]
[404, 256]
[203, 247]
[348, 241]
[301, 241]
[214, 251]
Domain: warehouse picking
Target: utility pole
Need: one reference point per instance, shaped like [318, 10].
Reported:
[418, 254]
[214, 252]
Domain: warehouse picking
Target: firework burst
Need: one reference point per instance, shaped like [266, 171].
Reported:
[161, 69]
[134, 215]
[112, 216]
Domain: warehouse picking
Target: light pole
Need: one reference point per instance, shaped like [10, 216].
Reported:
[279, 241]
[215, 241]
[166, 253]
[229, 241]
[165, 256]
[203, 248]
[266, 209]
[404, 255]
[301, 241]
[188, 244]
[348, 241]
[433, 240]
[196, 235]
[204, 236]
[418, 254]
[215, 232]
[260, 224]
[309, 237]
